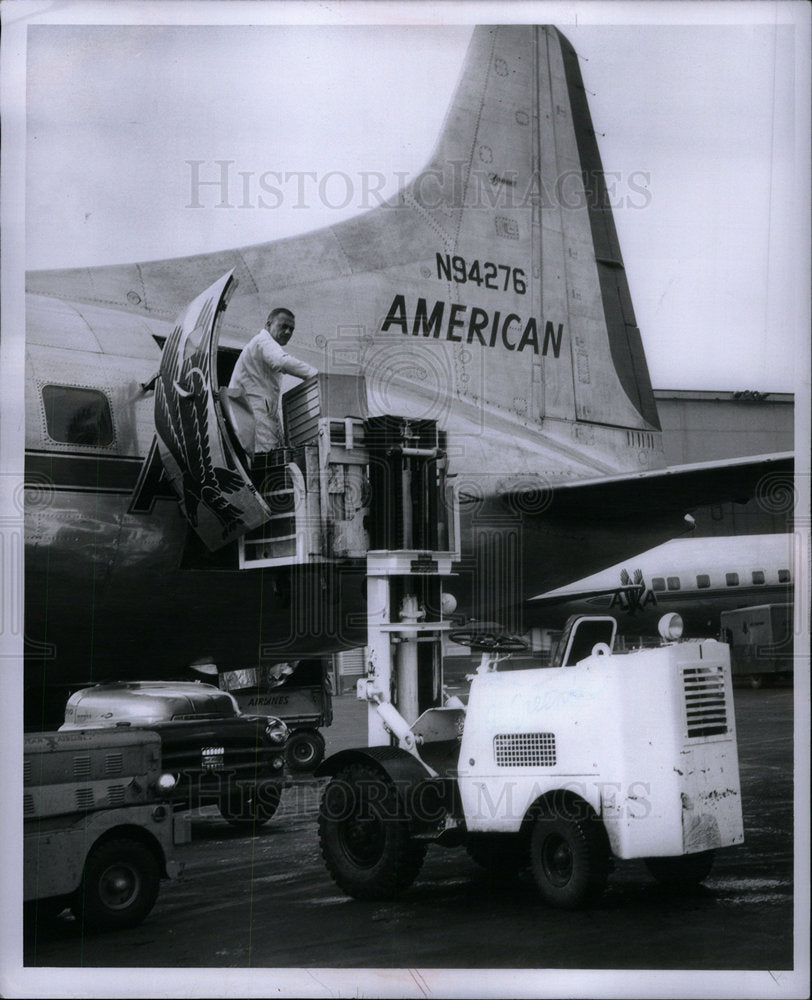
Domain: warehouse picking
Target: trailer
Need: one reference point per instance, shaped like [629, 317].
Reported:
[761, 642]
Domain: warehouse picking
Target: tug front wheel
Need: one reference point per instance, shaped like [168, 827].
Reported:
[570, 860]
[364, 835]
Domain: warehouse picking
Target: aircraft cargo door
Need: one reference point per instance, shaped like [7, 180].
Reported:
[202, 462]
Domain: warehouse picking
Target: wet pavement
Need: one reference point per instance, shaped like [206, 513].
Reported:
[268, 901]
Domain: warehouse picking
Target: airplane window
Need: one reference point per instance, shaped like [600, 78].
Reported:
[703, 580]
[673, 583]
[758, 576]
[657, 583]
[732, 579]
[77, 416]
[783, 576]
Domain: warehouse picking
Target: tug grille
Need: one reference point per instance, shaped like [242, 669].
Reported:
[705, 705]
[524, 749]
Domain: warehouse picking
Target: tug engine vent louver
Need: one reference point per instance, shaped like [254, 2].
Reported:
[116, 795]
[85, 798]
[113, 762]
[524, 749]
[705, 706]
[81, 767]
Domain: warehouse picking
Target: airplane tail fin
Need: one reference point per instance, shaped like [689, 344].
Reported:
[521, 171]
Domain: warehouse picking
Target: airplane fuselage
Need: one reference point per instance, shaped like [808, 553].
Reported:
[697, 578]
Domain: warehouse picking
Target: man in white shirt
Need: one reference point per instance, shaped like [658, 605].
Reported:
[258, 373]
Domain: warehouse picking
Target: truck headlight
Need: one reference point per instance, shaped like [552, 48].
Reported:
[166, 783]
[276, 731]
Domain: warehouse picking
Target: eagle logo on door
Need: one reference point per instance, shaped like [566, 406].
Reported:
[202, 461]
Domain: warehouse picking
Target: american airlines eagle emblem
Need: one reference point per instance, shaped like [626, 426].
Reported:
[633, 596]
[215, 493]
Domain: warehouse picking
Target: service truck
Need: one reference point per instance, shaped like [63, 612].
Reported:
[100, 830]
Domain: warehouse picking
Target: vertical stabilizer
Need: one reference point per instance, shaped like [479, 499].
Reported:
[520, 177]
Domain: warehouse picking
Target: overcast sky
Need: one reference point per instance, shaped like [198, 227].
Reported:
[715, 259]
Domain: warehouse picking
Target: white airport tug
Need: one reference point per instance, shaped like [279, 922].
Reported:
[560, 768]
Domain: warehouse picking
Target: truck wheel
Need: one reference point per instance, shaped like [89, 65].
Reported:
[570, 860]
[249, 808]
[499, 854]
[305, 750]
[119, 885]
[687, 870]
[364, 835]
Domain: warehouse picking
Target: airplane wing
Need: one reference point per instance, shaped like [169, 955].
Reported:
[767, 478]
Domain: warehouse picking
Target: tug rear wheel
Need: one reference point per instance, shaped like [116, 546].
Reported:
[364, 835]
[570, 860]
[687, 870]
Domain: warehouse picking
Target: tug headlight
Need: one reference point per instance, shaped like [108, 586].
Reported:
[670, 627]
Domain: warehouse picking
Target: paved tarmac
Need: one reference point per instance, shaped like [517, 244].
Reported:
[267, 901]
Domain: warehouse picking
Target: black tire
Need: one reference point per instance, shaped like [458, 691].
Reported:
[570, 860]
[364, 835]
[687, 870]
[304, 750]
[249, 808]
[501, 855]
[119, 885]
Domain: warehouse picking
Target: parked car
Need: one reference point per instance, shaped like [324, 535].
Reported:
[218, 754]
